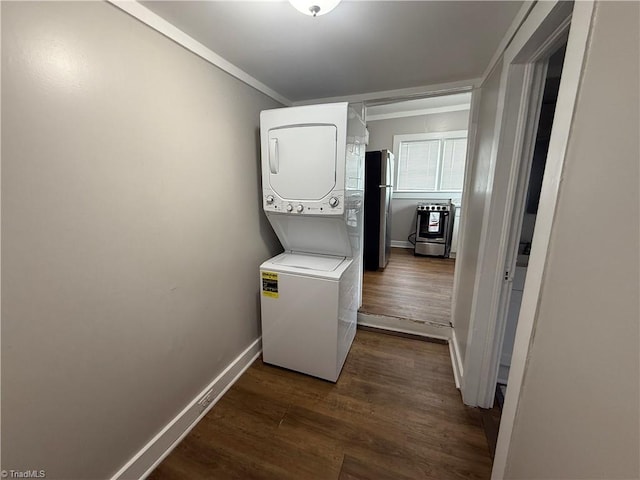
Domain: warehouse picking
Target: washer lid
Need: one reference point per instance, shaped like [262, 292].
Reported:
[322, 263]
[327, 267]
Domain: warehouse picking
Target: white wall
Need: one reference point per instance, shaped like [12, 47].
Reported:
[476, 197]
[132, 232]
[381, 134]
[578, 413]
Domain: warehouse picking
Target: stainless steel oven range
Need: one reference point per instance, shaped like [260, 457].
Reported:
[434, 228]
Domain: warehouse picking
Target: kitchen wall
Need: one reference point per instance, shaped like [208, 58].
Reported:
[480, 164]
[578, 415]
[132, 232]
[381, 134]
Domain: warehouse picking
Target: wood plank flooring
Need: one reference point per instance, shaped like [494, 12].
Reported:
[413, 287]
[395, 413]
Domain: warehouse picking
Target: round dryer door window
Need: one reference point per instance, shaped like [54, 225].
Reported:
[302, 161]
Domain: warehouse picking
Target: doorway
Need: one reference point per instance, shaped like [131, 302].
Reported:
[519, 81]
[528, 213]
[427, 138]
[523, 226]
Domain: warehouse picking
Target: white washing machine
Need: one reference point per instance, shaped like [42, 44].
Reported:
[302, 295]
[312, 191]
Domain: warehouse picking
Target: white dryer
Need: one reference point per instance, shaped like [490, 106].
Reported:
[313, 177]
[309, 309]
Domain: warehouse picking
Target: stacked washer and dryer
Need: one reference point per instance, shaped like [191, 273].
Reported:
[312, 194]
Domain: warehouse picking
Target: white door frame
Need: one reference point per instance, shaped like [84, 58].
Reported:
[536, 77]
[521, 79]
[581, 21]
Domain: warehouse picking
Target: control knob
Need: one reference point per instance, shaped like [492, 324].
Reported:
[269, 198]
[333, 201]
[289, 208]
[299, 208]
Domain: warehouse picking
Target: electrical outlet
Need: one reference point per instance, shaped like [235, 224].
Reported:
[206, 399]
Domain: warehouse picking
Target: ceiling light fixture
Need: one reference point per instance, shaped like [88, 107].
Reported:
[314, 8]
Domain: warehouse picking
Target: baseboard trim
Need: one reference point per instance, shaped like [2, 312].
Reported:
[405, 325]
[401, 244]
[456, 359]
[156, 450]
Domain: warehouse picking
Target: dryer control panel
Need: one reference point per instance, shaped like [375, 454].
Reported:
[330, 205]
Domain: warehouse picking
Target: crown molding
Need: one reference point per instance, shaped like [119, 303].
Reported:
[389, 96]
[170, 31]
[418, 113]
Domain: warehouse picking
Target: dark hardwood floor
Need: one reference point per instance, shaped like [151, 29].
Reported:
[414, 287]
[395, 413]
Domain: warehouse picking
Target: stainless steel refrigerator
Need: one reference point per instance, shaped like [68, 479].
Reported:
[378, 189]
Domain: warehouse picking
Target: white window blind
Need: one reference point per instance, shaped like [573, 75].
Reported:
[453, 158]
[432, 162]
[418, 165]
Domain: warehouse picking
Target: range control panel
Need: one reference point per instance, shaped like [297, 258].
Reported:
[331, 205]
[435, 207]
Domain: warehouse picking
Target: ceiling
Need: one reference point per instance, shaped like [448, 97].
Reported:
[360, 47]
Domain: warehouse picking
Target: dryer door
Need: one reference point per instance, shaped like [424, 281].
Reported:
[302, 161]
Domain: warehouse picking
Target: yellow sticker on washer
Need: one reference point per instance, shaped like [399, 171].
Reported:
[270, 284]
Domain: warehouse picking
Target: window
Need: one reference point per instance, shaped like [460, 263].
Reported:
[430, 162]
